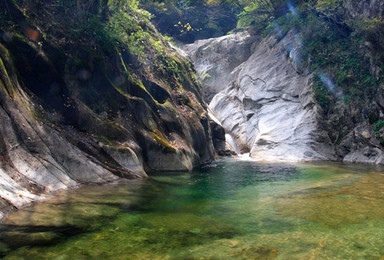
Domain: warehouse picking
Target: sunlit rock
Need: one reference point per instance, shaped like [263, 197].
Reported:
[265, 102]
[216, 58]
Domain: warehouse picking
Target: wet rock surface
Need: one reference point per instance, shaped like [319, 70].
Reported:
[71, 114]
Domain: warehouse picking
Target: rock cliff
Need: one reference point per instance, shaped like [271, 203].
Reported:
[366, 9]
[73, 113]
[263, 95]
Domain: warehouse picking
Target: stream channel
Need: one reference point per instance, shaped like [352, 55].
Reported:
[233, 209]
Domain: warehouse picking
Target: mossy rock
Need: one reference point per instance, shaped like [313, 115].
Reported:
[159, 138]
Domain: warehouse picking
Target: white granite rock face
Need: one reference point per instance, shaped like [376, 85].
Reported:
[265, 101]
[212, 62]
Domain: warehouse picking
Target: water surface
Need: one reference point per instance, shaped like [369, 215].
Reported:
[230, 210]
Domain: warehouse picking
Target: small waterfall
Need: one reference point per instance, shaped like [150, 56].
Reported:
[231, 141]
[246, 157]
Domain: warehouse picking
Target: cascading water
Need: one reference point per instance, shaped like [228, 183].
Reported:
[232, 142]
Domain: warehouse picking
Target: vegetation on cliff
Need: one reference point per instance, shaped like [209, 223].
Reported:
[89, 92]
[342, 44]
[335, 42]
[105, 53]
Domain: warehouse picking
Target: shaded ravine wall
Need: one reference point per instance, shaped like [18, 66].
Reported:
[64, 125]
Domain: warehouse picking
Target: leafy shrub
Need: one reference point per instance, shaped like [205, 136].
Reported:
[187, 21]
[331, 47]
[322, 94]
[378, 126]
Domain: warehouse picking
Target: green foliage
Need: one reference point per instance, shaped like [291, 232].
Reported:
[259, 13]
[159, 138]
[105, 26]
[378, 126]
[5, 80]
[322, 94]
[129, 26]
[331, 47]
[188, 21]
[340, 55]
[100, 24]
[373, 31]
[326, 5]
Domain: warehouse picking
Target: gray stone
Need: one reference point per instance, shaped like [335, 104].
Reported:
[216, 58]
[43, 152]
[268, 103]
[366, 9]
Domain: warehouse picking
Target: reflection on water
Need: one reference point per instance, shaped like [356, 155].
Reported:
[231, 209]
